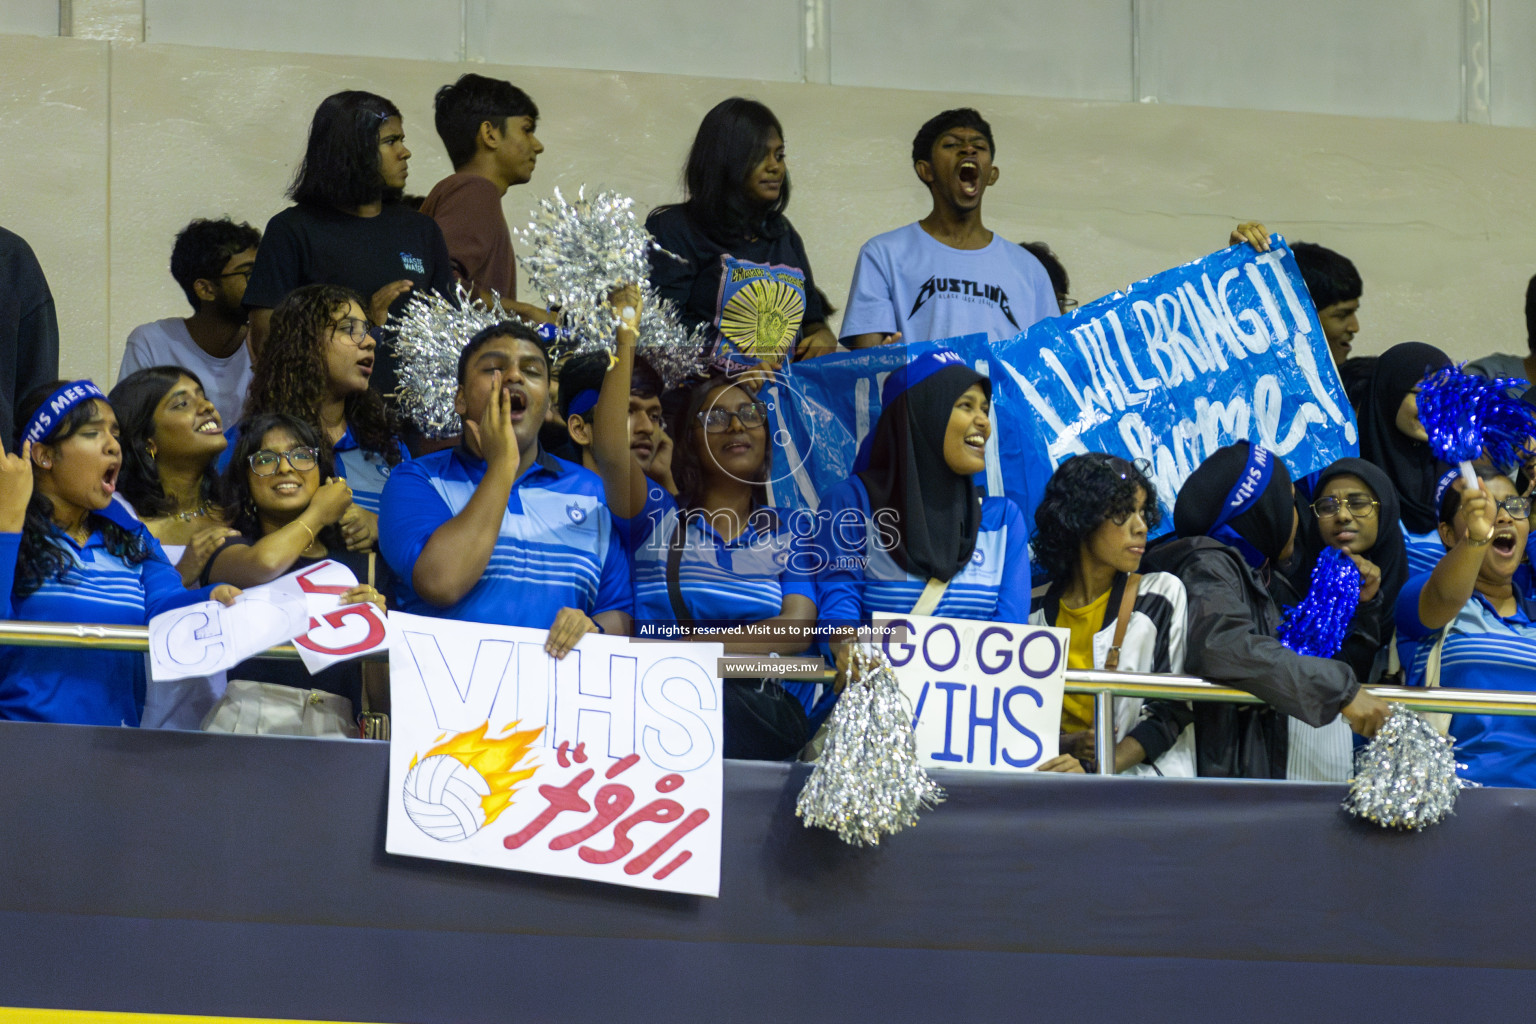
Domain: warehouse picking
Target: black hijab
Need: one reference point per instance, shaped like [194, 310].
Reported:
[1262, 528]
[1409, 465]
[1389, 553]
[938, 511]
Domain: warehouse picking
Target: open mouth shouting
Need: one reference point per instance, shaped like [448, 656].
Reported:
[1504, 542]
[109, 479]
[365, 366]
[969, 175]
[517, 403]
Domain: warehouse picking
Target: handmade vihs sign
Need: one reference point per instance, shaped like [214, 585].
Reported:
[604, 765]
[986, 696]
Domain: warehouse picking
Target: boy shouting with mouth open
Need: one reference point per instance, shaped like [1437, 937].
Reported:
[947, 275]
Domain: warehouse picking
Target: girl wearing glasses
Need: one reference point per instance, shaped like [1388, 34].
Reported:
[1356, 510]
[717, 556]
[1236, 521]
[287, 519]
[69, 553]
[1469, 624]
[1090, 533]
[315, 366]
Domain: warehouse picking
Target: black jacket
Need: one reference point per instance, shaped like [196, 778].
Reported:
[1231, 640]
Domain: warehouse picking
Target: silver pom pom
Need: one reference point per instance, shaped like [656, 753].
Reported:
[868, 781]
[429, 334]
[1405, 777]
[576, 253]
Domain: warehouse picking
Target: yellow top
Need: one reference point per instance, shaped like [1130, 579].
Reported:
[1077, 708]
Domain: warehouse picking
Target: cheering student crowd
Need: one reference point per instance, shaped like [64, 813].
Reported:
[258, 435]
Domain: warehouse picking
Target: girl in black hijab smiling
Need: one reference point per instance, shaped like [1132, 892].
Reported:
[1393, 440]
[1235, 520]
[911, 525]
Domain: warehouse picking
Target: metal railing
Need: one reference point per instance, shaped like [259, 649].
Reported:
[1104, 686]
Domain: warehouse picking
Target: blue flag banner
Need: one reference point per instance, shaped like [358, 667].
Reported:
[1223, 349]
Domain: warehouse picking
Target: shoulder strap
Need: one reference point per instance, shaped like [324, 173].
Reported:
[1123, 620]
[674, 564]
[928, 600]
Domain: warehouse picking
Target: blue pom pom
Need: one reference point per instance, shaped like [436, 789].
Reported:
[1466, 414]
[1317, 626]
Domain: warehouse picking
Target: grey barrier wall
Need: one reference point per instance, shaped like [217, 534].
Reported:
[187, 873]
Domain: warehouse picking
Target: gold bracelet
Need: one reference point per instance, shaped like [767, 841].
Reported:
[300, 522]
[1479, 543]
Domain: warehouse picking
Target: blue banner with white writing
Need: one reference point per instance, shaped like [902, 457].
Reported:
[1223, 349]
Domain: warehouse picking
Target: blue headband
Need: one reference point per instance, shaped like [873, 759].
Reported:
[1250, 487]
[583, 403]
[1447, 478]
[51, 412]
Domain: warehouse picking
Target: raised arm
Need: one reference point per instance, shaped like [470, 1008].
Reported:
[1450, 585]
[248, 565]
[624, 482]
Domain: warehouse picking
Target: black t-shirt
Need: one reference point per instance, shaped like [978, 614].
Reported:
[695, 285]
[29, 330]
[315, 245]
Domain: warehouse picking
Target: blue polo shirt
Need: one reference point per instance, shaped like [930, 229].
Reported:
[858, 577]
[725, 582]
[364, 471]
[76, 685]
[1424, 551]
[557, 547]
[1483, 651]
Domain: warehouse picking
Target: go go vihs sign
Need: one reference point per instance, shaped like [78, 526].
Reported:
[986, 696]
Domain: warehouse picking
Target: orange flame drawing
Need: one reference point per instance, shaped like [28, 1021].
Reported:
[495, 759]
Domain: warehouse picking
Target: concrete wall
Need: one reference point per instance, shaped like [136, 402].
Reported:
[110, 146]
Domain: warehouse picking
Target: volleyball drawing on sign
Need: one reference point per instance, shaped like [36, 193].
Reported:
[466, 781]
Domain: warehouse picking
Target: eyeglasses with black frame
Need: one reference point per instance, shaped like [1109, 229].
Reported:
[352, 327]
[300, 460]
[1359, 506]
[1516, 506]
[717, 420]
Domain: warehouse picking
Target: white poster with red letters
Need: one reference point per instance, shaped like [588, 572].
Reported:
[604, 765]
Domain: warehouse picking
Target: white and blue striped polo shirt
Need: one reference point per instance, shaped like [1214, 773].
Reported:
[858, 577]
[77, 685]
[723, 582]
[1424, 551]
[557, 547]
[1483, 651]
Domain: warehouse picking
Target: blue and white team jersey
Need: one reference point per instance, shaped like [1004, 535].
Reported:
[723, 582]
[1424, 551]
[364, 471]
[1482, 651]
[557, 547]
[858, 577]
[78, 686]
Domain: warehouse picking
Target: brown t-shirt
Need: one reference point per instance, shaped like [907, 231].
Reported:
[468, 209]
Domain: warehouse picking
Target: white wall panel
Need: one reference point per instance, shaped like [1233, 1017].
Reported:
[29, 17]
[1514, 71]
[1374, 58]
[761, 40]
[418, 29]
[1079, 50]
